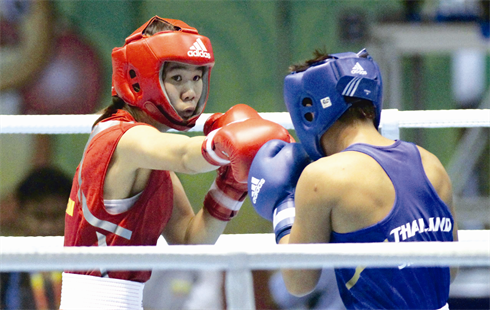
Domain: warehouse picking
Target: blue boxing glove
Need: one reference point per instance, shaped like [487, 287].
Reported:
[272, 180]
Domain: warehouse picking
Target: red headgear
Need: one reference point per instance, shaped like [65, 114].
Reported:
[137, 69]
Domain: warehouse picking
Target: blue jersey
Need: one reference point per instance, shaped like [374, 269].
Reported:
[418, 215]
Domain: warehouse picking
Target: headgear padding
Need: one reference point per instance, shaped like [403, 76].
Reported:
[315, 98]
[138, 68]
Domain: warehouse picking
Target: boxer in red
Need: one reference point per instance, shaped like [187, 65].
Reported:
[125, 190]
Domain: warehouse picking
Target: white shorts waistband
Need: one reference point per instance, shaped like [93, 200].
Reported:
[89, 292]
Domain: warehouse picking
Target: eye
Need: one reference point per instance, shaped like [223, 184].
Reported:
[177, 78]
[197, 78]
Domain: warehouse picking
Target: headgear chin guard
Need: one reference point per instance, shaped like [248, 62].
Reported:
[137, 69]
[315, 98]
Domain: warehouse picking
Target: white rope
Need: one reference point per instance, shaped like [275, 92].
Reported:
[445, 118]
[79, 124]
[240, 252]
[47, 124]
[238, 255]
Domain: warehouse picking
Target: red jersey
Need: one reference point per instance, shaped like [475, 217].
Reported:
[87, 223]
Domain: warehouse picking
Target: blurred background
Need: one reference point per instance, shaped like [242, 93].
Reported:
[55, 58]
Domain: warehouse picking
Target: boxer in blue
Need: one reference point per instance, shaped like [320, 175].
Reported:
[346, 183]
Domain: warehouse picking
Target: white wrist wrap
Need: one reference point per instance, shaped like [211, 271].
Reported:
[211, 152]
[223, 199]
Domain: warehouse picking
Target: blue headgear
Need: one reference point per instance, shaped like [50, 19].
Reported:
[315, 97]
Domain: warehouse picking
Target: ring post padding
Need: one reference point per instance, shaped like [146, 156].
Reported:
[390, 124]
[239, 289]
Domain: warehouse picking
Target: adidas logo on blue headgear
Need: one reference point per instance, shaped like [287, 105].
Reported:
[315, 97]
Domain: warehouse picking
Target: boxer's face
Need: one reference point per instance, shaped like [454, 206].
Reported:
[184, 86]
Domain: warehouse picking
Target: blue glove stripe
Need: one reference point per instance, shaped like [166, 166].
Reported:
[283, 233]
[286, 222]
[283, 218]
[284, 210]
[283, 215]
[282, 227]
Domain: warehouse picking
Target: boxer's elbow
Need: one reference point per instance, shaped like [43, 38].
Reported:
[300, 282]
[298, 290]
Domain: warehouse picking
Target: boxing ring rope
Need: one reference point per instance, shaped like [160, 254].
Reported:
[249, 251]
[239, 254]
[390, 118]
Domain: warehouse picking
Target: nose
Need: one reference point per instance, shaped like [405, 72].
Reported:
[188, 93]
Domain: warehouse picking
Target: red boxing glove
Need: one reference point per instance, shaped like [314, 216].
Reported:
[234, 146]
[225, 197]
[237, 144]
[238, 112]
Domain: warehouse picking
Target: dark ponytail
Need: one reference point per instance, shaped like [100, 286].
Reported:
[117, 104]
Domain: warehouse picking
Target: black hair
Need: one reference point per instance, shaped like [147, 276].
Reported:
[43, 182]
[117, 104]
[319, 55]
[360, 109]
[159, 25]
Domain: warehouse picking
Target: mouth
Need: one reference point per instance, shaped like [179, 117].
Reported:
[187, 112]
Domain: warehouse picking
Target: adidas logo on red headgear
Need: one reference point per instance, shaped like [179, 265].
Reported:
[198, 50]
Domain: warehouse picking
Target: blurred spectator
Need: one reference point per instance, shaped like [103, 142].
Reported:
[184, 290]
[42, 199]
[39, 202]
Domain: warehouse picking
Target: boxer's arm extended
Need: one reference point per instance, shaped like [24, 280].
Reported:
[146, 147]
[226, 195]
